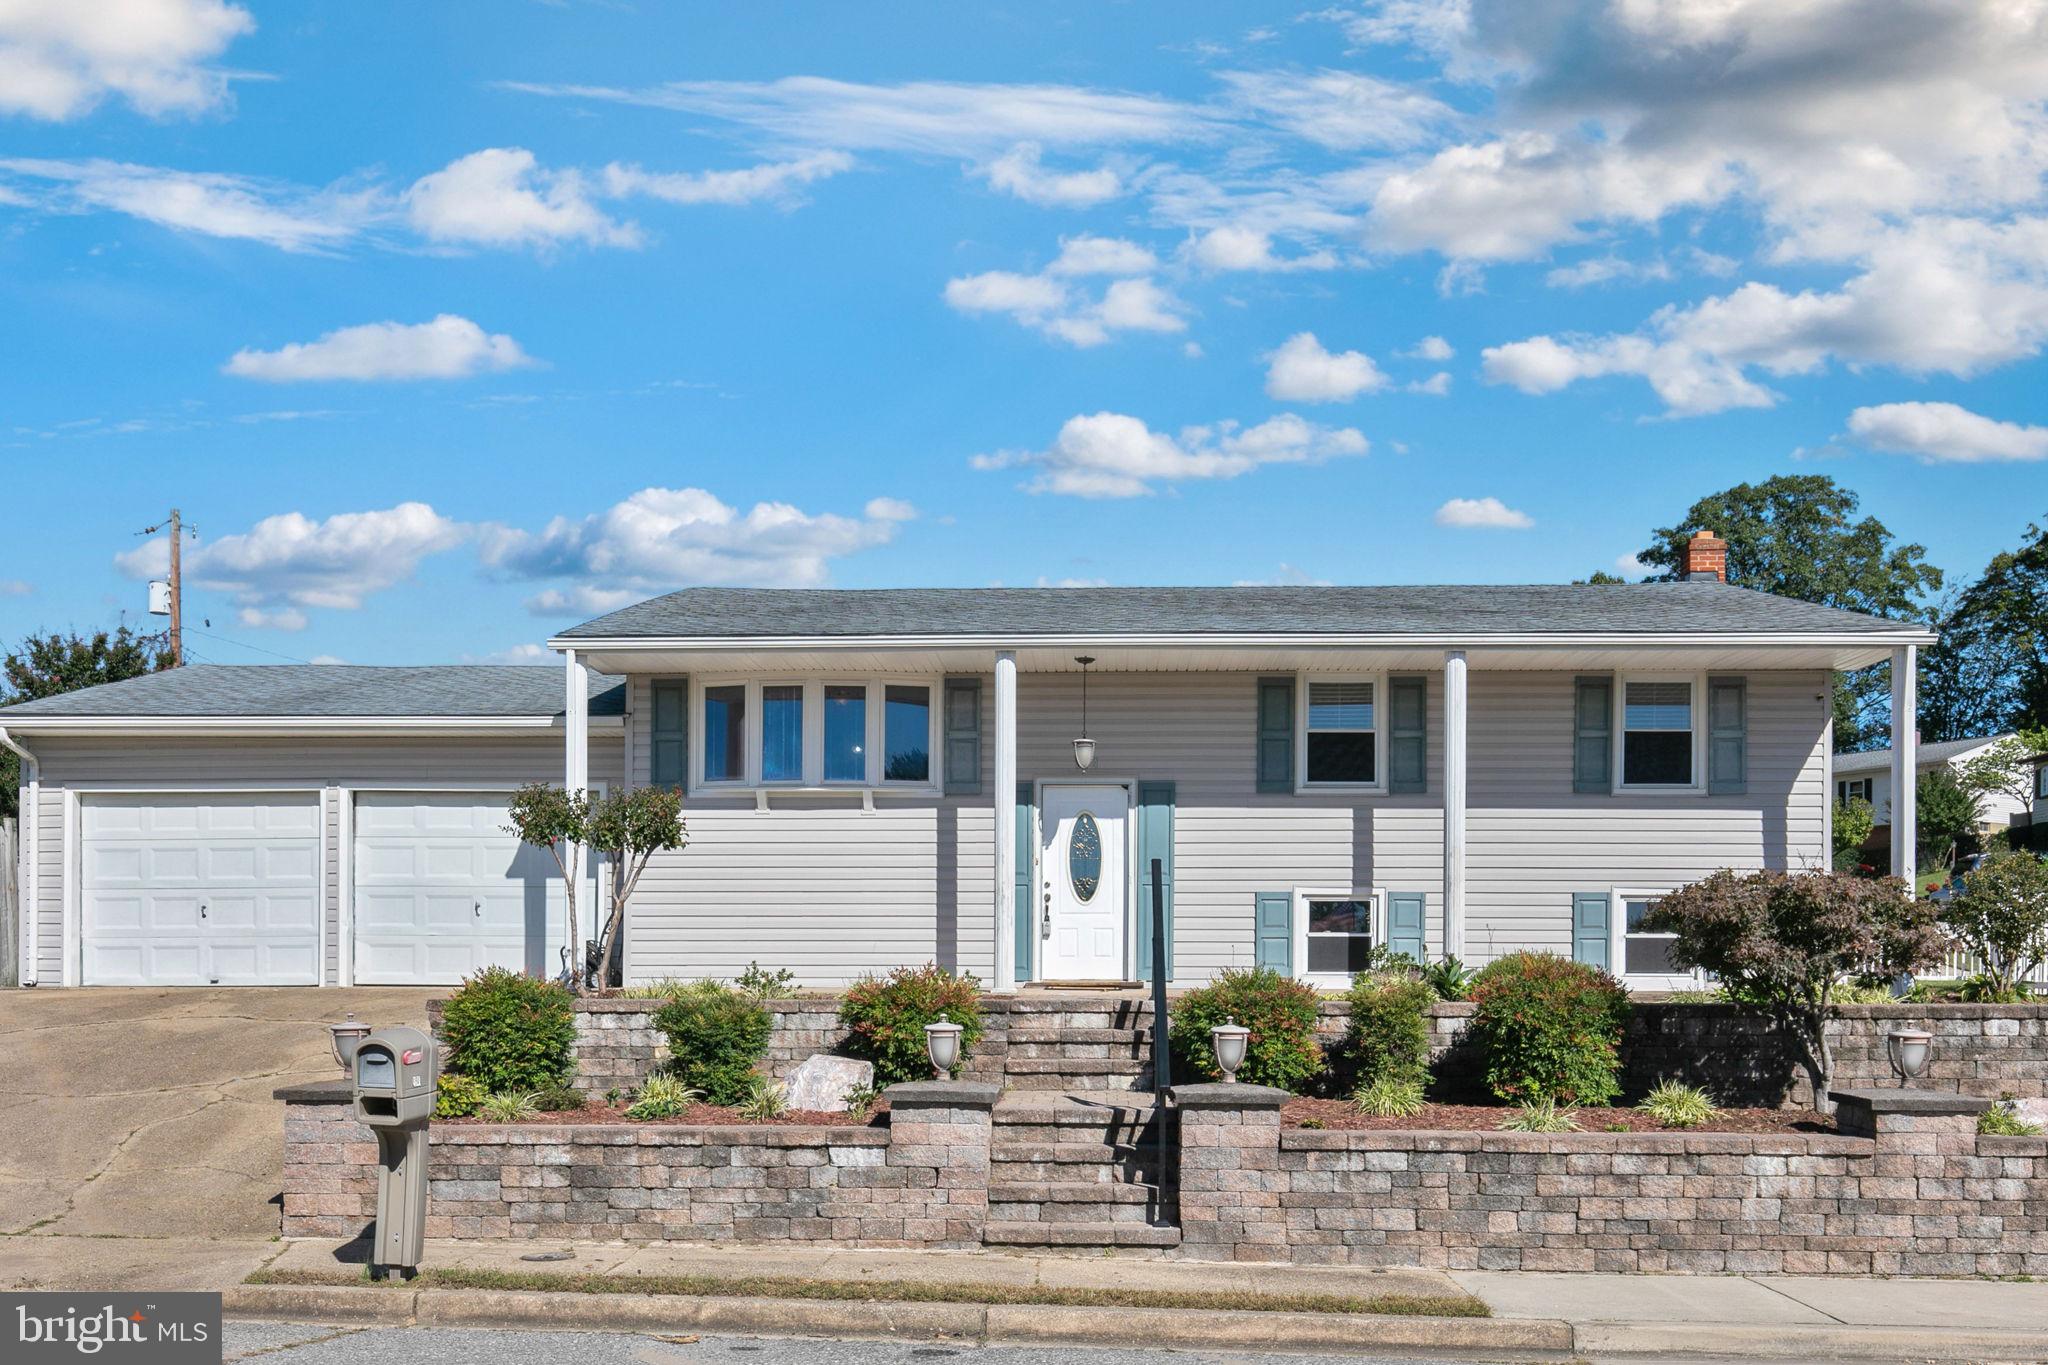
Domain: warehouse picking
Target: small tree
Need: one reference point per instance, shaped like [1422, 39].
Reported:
[629, 828]
[2002, 917]
[558, 821]
[1947, 815]
[1782, 943]
[2006, 768]
[1854, 819]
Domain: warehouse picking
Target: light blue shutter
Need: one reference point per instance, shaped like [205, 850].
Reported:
[1155, 840]
[1405, 917]
[1407, 735]
[963, 737]
[669, 734]
[1273, 928]
[1727, 736]
[1590, 937]
[1027, 847]
[1276, 734]
[1593, 736]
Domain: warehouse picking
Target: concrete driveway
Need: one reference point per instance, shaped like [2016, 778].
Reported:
[147, 1113]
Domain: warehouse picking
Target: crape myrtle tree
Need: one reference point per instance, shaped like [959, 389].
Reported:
[1797, 535]
[627, 827]
[1783, 943]
[2002, 917]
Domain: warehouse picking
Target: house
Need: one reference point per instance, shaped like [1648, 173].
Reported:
[1283, 776]
[1867, 776]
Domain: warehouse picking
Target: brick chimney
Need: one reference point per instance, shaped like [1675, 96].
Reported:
[1706, 556]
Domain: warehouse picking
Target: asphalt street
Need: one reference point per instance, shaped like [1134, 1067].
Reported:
[292, 1344]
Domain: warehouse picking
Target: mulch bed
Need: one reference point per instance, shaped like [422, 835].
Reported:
[1487, 1118]
[697, 1115]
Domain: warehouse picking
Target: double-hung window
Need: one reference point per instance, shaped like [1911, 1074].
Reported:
[1853, 789]
[1339, 732]
[1643, 958]
[1334, 932]
[846, 732]
[813, 733]
[782, 732]
[725, 733]
[1660, 734]
[907, 734]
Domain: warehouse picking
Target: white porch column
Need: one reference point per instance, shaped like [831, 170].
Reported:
[1006, 821]
[1905, 764]
[1454, 803]
[576, 778]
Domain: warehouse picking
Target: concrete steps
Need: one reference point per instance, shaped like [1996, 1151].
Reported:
[1080, 1169]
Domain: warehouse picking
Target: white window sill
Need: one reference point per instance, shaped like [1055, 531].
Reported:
[1341, 788]
[1658, 790]
[867, 792]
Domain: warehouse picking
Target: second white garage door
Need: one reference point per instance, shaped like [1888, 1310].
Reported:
[441, 890]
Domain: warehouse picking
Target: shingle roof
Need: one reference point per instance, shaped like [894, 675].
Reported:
[1879, 760]
[330, 691]
[1476, 610]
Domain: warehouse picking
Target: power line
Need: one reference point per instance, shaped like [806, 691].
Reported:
[289, 658]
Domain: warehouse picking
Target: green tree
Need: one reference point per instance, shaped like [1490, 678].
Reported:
[2002, 917]
[48, 665]
[1947, 814]
[1796, 535]
[1854, 819]
[1990, 671]
[556, 820]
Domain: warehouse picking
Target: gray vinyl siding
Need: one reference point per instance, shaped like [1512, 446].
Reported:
[821, 888]
[87, 763]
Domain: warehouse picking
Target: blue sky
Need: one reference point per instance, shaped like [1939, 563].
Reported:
[448, 326]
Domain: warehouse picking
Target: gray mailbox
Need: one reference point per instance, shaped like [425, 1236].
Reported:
[397, 1077]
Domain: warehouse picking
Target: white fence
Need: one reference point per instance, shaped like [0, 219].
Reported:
[10, 906]
[1961, 963]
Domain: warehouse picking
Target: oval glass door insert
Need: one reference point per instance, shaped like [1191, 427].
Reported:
[1084, 857]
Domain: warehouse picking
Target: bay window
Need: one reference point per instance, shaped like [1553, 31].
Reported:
[814, 733]
[846, 732]
[725, 733]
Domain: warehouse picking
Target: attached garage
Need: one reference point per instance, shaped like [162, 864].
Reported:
[200, 889]
[296, 825]
[441, 890]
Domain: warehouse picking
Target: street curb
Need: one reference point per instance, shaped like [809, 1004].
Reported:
[991, 1324]
[1806, 1341]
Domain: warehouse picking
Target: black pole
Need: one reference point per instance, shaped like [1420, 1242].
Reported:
[1162, 1072]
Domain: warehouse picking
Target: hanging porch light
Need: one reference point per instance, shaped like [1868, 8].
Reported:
[1084, 747]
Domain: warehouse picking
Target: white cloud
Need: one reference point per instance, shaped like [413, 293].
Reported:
[230, 206]
[1598, 270]
[1242, 248]
[1943, 433]
[1482, 514]
[775, 182]
[1019, 173]
[1301, 371]
[1430, 348]
[289, 563]
[1340, 110]
[502, 196]
[1286, 576]
[449, 347]
[1087, 255]
[527, 653]
[1060, 310]
[945, 118]
[664, 538]
[15, 587]
[60, 58]
[1111, 455]
[581, 600]
[1631, 566]
[1437, 385]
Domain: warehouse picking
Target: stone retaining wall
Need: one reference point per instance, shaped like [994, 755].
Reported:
[1900, 1193]
[920, 1182]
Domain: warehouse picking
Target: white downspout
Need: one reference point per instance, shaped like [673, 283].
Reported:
[1905, 767]
[29, 879]
[1454, 803]
[576, 778]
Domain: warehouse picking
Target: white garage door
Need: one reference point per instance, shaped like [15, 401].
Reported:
[441, 890]
[205, 889]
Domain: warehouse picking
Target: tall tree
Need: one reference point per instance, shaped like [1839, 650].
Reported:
[1990, 672]
[1796, 535]
[46, 665]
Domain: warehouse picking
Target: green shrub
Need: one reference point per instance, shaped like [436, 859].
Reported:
[1388, 1037]
[1541, 1116]
[762, 984]
[885, 1017]
[458, 1096]
[1549, 1029]
[665, 988]
[513, 1106]
[1281, 1014]
[861, 1101]
[716, 1036]
[1451, 979]
[2003, 1120]
[1389, 1097]
[1679, 1106]
[558, 1099]
[662, 1097]
[765, 1100]
[510, 1032]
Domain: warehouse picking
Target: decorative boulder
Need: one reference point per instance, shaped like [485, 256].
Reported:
[2034, 1111]
[821, 1082]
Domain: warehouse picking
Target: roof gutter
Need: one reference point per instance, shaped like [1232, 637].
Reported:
[1254, 640]
[28, 880]
[300, 725]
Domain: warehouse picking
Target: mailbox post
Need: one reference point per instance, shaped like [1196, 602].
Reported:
[396, 1079]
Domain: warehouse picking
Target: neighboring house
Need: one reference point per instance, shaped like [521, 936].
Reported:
[1866, 775]
[884, 778]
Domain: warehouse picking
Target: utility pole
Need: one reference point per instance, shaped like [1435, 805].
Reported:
[176, 526]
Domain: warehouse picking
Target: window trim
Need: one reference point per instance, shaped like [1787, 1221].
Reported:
[1617, 947]
[1844, 792]
[813, 778]
[2041, 782]
[934, 734]
[1302, 685]
[1302, 896]
[1696, 708]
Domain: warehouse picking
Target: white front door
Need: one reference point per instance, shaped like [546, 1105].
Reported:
[441, 890]
[200, 889]
[1081, 867]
